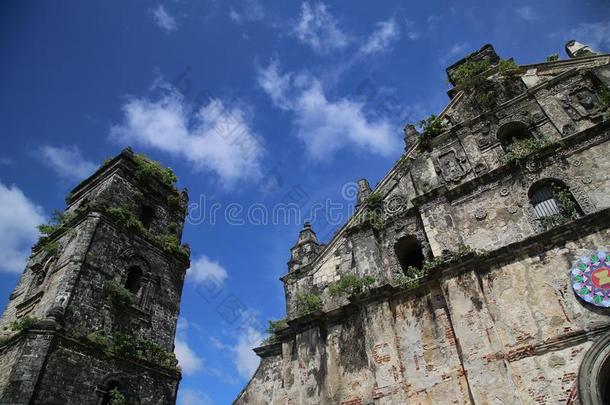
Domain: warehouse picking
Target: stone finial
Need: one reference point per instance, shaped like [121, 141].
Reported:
[307, 234]
[363, 190]
[575, 49]
[411, 136]
[305, 250]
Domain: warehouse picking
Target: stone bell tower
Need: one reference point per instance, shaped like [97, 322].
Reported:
[93, 317]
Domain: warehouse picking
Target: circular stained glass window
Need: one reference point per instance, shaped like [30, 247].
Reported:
[590, 277]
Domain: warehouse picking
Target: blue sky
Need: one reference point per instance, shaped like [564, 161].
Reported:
[252, 104]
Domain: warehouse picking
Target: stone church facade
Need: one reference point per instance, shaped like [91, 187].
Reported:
[93, 317]
[478, 270]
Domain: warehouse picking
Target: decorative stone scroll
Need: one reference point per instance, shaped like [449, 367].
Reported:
[590, 278]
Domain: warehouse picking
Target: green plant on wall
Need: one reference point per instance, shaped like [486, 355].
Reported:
[119, 294]
[414, 275]
[174, 200]
[273, 329]
[567, 209]
[464, 74]
[486, 99]
[308, 303]
[127, 346]
[149, 169]
[552, 57]
[373, 214]
[117, 398]
[350, 284]
[506, 65]
[431, 127]
[125, 218]
[22, 324]
[520, 149]
[58, 222]
[374, 201]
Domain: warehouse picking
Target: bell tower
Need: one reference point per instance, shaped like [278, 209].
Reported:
[93, 317]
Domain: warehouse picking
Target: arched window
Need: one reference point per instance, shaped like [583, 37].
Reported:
[553, 203]
[147, 215]
[409, 253]
[134, 280]
[513, 131]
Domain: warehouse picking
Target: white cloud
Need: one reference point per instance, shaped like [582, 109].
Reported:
[163, 19]
[382, 38]
[67, 161]
[457, 51]
[527, 13]
[242, 353]
[19, 218]
[188, 396]
[188, 360]
[596, 35]
[324, 125]
[246, 361]
[432, 21]
[318, 28]
[250, 10]
[276, 85]
[412, 33]
[203, 269]
[213, 138]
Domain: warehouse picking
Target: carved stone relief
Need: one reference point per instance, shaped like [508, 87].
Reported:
[395, 205]
[452, 166]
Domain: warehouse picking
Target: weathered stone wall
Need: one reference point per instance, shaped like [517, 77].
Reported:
[73, 372]
[9, 355]
[155, 312]
[510, 331]
[29, 360]
[49, 277]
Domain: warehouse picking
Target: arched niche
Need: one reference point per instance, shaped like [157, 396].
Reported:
[513, 131]
[594, 374]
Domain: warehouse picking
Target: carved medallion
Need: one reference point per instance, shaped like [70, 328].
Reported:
[590, 278]
[532, 165]
[395, 205]
[480, 214]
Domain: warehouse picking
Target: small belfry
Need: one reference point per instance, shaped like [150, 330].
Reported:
[93, 317]
[477, 271]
